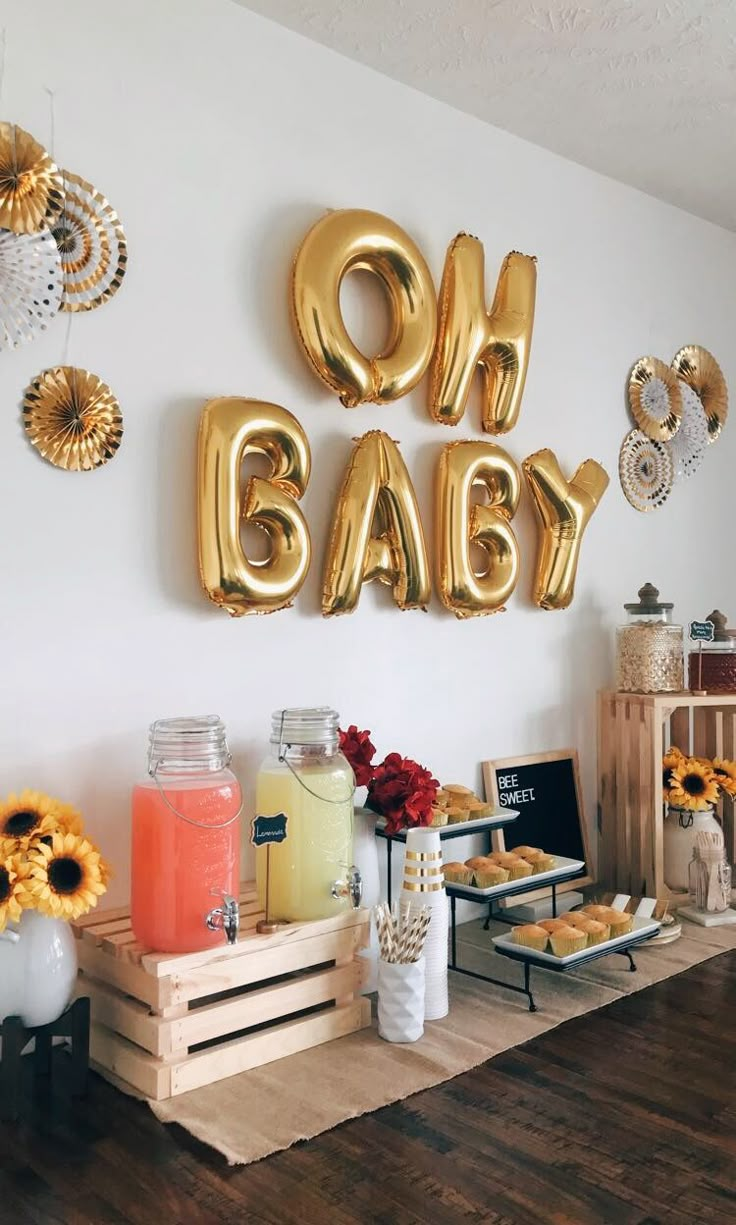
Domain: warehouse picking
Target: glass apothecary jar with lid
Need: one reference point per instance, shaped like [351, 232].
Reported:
[712, 667]
[310, 874]
[649, 647]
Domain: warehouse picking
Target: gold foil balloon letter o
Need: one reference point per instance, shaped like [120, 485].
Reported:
[459, 525]
[356, 239]
[469, 336]
[377, 494]
[564, 509]
[231, 428]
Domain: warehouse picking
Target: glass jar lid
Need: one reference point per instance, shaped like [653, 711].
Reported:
[649, 602]
[316, 725]
[722, 639]
[189, 743]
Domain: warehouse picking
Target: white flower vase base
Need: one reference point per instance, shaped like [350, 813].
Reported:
[38, 969]
[424, 886]
[401, 1000]
[365, 858]
[681, 829]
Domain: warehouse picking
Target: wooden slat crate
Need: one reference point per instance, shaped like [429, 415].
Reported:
[166, 1023]
[634, 730]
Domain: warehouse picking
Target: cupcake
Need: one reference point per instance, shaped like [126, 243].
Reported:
[454, 789]
[596, 912]
[489, 874]
[477, 808]
[540, 861]
[568, 940]
[455, 814]
[477, 861]
[457, 873]
[531, 936]
[442, 797]
[552, 925]
[619, 922]
[524, 851]
[439, 817]
[596, 932]
[518, 868]
[576, 918]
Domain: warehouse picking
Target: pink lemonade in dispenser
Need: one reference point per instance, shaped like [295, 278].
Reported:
[186, 840]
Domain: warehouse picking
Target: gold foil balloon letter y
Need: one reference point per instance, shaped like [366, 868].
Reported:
[230, 429]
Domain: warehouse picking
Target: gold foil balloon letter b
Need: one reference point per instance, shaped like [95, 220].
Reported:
[376, 495]
[469, 336]
[230, 429]
[356, 239]
[460, 525]
[564, 509]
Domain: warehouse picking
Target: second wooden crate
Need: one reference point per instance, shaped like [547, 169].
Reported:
[168, 1023]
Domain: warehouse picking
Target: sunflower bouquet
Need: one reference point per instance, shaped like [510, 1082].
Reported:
[46, 862]
[696, 783]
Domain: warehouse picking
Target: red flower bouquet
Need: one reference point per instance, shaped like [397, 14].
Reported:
[403, 792]
[359, 750]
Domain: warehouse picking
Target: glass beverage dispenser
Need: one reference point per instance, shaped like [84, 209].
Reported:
[186, 839]
[310, 875]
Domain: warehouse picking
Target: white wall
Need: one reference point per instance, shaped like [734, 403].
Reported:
[220, 138]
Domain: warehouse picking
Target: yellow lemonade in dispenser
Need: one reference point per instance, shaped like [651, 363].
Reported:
[310, 874]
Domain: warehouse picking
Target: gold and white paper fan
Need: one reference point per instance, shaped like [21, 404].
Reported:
[687, 448]
[655, 399]
[699, 369]
[92, 245]
[645, 471]
[30, 285]
[30, 182]
[72, 418]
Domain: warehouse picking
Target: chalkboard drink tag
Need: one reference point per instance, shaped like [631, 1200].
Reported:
[702, 631]
[265, 830]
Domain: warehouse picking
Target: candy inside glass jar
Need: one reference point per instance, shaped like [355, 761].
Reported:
[649, 647]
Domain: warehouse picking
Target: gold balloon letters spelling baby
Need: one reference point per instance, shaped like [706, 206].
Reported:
[377, 530]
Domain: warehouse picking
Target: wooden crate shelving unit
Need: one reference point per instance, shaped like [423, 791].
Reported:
[634, 731]
[166, 1023]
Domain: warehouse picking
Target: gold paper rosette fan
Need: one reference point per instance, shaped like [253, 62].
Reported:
[92, 246]
[687, 448]
[30, 285]
[699, 369]
[645, 471]
[72, 418]
[31, 191]
[655, 398]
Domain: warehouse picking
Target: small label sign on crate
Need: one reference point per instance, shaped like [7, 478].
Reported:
[702, 631]
[265, 830]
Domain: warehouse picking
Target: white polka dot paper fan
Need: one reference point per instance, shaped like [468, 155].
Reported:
[688, 446]
[645, 471]
[30, 285]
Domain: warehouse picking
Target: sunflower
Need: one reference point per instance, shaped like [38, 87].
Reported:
[671, 759]
[25, 817]
[68, 819]
[12, 891]
[692, 785]
[66, 877]
[725, 772]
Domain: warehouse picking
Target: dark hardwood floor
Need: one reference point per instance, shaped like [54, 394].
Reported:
[625, 1116]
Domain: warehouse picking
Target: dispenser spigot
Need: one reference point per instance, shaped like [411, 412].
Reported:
[225, 918]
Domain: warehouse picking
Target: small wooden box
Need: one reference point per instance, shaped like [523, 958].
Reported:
[166, 1023]
[634, 731]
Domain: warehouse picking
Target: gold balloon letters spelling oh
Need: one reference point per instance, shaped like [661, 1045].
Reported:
[377, 531]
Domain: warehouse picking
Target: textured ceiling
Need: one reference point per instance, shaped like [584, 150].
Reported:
[642, 90]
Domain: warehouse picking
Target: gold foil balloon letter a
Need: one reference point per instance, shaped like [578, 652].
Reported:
[356, 239]
[564, 509]
[377, 493]
[230, 429]
[469, 336]
[460, 525]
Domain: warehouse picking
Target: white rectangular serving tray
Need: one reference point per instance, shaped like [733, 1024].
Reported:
[641, 928]
[501, 816]
[562, 865]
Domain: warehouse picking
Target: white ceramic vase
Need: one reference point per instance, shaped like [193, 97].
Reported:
[401, 1000]
[38, 968]
[365, 858]
[424, 886]
[681, 828]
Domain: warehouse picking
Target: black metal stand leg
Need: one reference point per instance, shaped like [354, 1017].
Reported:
[80, 1046]
[13, 1036]
[632, 963]
[527, 977]
[389, 849]
[42, 1053]
[489, 917]
[554, 900]
[453, 934]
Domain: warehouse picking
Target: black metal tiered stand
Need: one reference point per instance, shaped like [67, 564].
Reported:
[15, 1036]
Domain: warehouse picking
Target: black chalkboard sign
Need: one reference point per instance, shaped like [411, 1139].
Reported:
[265, 830]
[545, 790]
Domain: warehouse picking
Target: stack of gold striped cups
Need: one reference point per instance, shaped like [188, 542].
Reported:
[424, 885]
